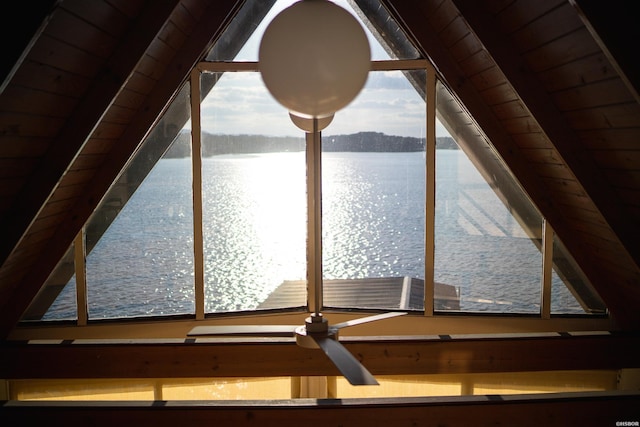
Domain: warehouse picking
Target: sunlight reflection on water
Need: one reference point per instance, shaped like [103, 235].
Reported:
[255, 234]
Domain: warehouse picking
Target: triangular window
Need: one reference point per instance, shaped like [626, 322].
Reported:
[476, 248]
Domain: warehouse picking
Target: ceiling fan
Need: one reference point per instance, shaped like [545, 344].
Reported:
[306, 65]
[315, 333]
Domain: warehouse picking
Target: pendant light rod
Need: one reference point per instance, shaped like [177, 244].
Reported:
[314, 217]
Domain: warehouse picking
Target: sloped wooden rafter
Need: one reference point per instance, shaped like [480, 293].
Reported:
[211, 23]
[412, 14]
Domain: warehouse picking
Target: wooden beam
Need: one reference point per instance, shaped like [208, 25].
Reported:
[199, 294]
[430, 91]
[560, 409]
[244, 357]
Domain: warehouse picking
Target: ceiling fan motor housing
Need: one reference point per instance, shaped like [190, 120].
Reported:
[314, 325]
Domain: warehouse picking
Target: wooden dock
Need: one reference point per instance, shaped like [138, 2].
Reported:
[404, 293]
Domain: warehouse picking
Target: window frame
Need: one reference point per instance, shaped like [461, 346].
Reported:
[314, 289]
[314, 192]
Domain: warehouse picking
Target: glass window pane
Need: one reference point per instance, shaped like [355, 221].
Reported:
[64, 307]
[571, 292]
[56, 300]
[245, 25]
[254, 203]
[143, 264]
[373, 197]
[393, 42]
[480, 247]
[239, 44]
[140, 239]
[487, 232]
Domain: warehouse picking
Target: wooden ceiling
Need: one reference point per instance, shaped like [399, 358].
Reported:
[551, 83]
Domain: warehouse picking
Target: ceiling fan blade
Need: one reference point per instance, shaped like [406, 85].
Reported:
[348, 365]
[369, 319]
[246, 330]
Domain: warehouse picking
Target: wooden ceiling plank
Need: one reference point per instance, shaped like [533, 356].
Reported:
[35, 102]
[598, 94]
[496, 6]
[26, 21]
[127, 7]
[621, 116]
[520, 13]
[81, 34]
[60, 55]
[510, 110]
[16, 146]
[173, 36]
[118, 114]
[452, 33]
[488, 78]
[477, 63]
[26, 125]
[547, 27]
[585, 70]
[151, 68]
[104, 15]
[140, 83]
[50, 79]
[439, 17]
[569, 48]
[17, 167]
[65, 192]
[130, 99]
[499, 94]
[183, 19]
[551, 120]
[466, 47]
[161, 52]
[628, 180]
[613, 26]
[610, 138]
[543, 155]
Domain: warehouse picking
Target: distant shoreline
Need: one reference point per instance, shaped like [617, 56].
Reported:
[370, 142]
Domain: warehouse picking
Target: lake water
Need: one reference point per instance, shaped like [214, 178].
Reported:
[254, 227]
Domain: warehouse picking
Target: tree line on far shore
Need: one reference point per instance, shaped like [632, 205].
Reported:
[218, 144]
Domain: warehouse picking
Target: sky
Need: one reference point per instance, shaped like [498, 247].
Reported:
[240, 103]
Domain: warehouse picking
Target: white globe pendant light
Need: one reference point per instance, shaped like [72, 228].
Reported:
[309, 124]
[314, 58]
